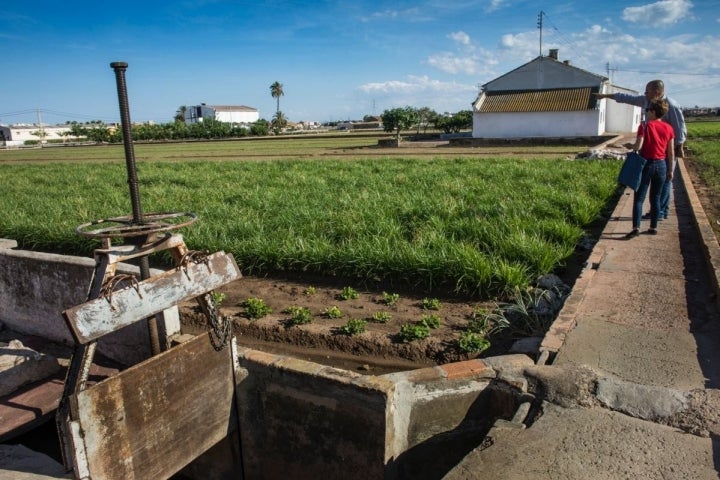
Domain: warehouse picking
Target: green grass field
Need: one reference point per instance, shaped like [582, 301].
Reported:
[704, 145]
[482, 226]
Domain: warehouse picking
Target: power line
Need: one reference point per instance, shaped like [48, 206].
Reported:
[53, 113]
[562, 40]
[670, 73]
[21, 112]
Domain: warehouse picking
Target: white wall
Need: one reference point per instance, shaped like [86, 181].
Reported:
[537, 124]
[20, 133]
[621, 117]
[237, 117]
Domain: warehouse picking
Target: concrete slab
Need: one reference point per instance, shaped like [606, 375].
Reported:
[635, 354]
[592, 443]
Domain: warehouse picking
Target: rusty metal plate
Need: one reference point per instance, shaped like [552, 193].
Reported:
[156, 417]
[95, 318]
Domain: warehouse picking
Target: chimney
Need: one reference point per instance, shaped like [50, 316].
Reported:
[566, 62]
[554, 53]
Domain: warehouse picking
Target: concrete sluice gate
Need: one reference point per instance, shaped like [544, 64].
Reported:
[200, 409]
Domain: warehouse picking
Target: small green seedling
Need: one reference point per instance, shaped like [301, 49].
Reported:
[471, 342]
[430, 304]
[353, 327]
[410, 332]
[381, 317]
[390, 299]
[256, 308]
[217, 297]
[349, 293]
[432, 321]
[333, 312]
[299, 315]
[310, 290]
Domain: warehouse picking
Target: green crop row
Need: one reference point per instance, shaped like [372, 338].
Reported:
[481, 226]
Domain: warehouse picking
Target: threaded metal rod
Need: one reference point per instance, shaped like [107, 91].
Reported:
[120, 68]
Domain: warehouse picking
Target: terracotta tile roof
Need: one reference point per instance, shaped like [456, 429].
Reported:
[552, 100]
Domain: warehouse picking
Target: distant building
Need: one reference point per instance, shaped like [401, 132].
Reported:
[16, 135]
[550, 98]
[222, 113]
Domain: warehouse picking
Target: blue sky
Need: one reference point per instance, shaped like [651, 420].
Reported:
[336, 60]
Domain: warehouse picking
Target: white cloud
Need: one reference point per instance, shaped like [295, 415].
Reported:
[413, 84]
[450, 63]
[471, 64]
[495, 5]
[421, 91]
[460, 37]
[410, 14]
[664, 12]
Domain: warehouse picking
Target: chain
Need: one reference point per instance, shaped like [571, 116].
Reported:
[220, 328]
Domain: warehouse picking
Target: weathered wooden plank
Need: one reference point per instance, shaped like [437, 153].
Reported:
[156, 417]
[95, 318]
[34, 404]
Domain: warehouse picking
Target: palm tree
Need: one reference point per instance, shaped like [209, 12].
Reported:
[278, 122]
[180, 113]
[276, 90]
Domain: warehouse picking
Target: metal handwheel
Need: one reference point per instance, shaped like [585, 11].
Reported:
[127, 227]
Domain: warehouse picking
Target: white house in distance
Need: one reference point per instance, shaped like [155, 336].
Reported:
[16, 135]
[222, 113]
[550, 98]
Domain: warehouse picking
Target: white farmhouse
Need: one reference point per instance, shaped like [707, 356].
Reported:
[16, 135]
[549, 98]
[222, 113]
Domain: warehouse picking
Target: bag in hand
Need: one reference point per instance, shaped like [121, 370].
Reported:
[631, 171]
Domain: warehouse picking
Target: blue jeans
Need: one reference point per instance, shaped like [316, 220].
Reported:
[665, 196]
[653, 176]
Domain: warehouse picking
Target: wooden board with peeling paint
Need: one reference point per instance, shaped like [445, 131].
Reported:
[101, 316]
[156, 417]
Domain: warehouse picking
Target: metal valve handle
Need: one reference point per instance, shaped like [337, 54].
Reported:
[127, 227]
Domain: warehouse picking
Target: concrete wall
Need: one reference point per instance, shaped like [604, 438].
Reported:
[321, 422]
[537, 124]
[35, 288]
[296, 418]
[621, 117]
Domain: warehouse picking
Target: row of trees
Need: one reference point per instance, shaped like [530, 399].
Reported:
[207, 129]
[395, 120]
[406, 118]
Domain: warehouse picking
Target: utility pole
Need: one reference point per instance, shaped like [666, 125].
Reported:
[42, 131]
[540, 25]
[610, 71]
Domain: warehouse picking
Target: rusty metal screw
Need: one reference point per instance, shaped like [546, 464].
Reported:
[120, 68]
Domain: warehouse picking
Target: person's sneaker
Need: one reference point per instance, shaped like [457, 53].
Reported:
[634, 233]
[646, 216]
[652, 231]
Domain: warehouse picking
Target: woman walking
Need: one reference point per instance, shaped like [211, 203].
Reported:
[655, 144]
